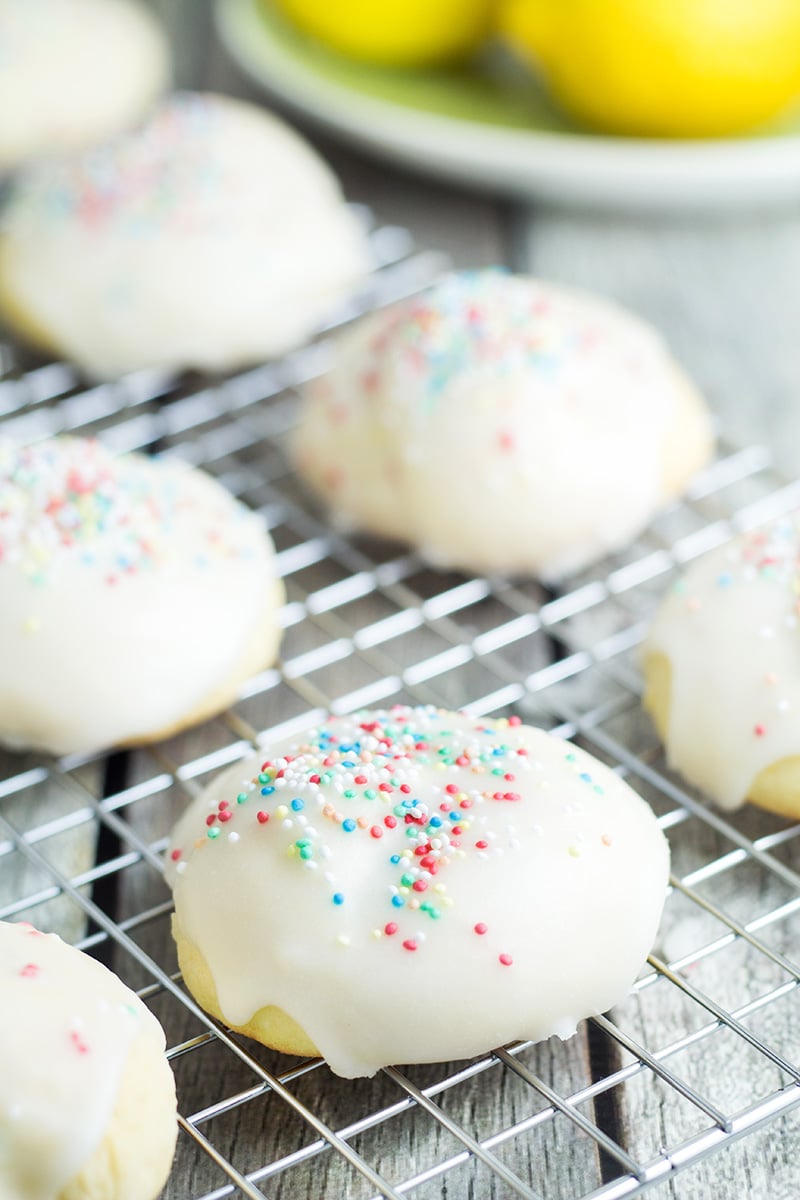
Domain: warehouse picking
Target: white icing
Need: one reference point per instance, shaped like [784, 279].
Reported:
[73, 72]
[66, 1028]
[730, 632]
[212, 236]
[130, 590]
[500, 423]
[567, 870]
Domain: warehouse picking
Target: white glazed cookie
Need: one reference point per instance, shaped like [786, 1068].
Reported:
[135, 596]
[502, 424]
[73, 72]
[211, 237]
[87, 1098]
[722, 668]
[412, 886]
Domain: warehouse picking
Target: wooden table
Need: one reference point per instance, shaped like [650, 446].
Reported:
[684, 1065]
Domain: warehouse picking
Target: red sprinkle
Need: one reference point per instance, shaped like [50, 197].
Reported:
[376, 831]
[390, 928]
[405, 788]
[225, 815]
[481, 844]
[223, 804]
[409, 944]
[175, 855]
[262, 818]
[481, 927]
[515, 720]
[759, 730]
[420, 885]
[390, 822]
[360, 779]
[506, 960]
[211, 818]
[30, 970]
[452, 789]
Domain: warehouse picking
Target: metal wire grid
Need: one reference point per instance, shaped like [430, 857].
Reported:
[707, 1049]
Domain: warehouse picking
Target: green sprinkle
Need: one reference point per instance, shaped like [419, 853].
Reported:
[241, 798]
[213, 832]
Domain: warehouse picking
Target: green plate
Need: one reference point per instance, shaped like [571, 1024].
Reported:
[488, 125]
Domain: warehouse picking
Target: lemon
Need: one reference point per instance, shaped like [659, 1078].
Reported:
[685, 68]
[398, 33]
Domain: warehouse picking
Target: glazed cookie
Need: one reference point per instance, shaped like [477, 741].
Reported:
[502, 424]
[87, 1098]
[73, 72]
[135, 596]
[211, 237]
[345, 895]
[722, 673]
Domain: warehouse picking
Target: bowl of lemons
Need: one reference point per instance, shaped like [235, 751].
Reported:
[624, 103]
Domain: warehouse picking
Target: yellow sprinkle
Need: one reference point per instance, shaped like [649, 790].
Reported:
[447, 901]
[574, 852]
[32, 625]
[281, 811]
[439, 888]
[377, 934]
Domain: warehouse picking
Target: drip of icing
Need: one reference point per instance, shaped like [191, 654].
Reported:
[415, 885]
[67, 1028]
[729, 630]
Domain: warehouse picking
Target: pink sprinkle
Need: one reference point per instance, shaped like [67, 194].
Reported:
[506, 959]
[390, 822]
[262, 818]
[515, 721]
[78, 1043]
[759, 730]
[409, 944]
[481, 927]
[390, 928]
[505, 440]
[376, 831]
[175, 855]
[452, 789]
[360, 779]
[30, 971]
[419, 885]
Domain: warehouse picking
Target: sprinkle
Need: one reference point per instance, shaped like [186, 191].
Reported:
[505, 959]
[175, 855]
[338, 898]
[759, 730]
[30, 971]
[262, 817]
[480, 928]
[410, 944]
[390, 928]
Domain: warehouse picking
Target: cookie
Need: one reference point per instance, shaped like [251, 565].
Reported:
[412, 886]
[87, 1098]
[722, 674]
[211, 237]
[136, 595]
[74, 72]
[499, 423]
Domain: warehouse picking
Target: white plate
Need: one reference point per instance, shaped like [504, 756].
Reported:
[492, 130]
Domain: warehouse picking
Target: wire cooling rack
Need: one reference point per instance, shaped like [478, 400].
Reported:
[704, 1053]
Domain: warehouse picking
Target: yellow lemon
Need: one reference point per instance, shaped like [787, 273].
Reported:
[686, 68]
[397, 33]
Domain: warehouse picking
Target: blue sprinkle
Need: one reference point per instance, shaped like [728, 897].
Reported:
[725, 580]
[349, 825]
[338, 898]
[398, 901]
[395, 859]
[435, 822]
[267, 791]
[585, 776]
[297, 805]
